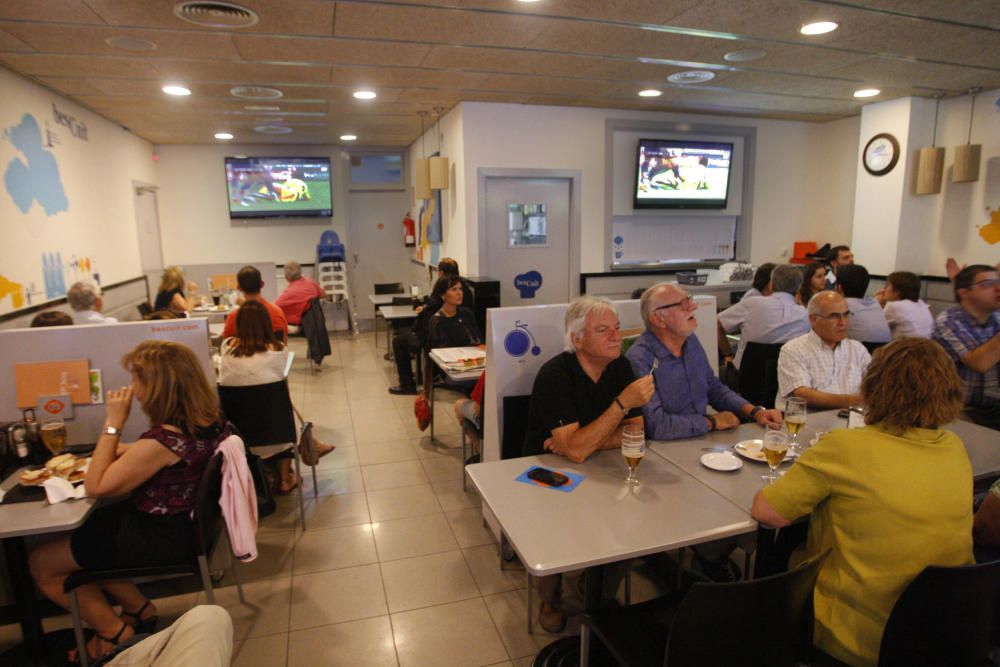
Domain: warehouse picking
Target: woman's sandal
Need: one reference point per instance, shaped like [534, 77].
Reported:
[140, 626]
[73, 657]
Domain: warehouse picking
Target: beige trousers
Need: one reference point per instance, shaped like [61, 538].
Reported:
[203, 637]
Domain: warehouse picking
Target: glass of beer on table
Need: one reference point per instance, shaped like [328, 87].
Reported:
[53, 434]
[795, 419]
[633, 449]
[775, 449]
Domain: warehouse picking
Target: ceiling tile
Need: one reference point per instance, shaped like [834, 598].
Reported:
[638, 11]
[973, 12]
[613, 40]
[86, 66]
[70, 85]
[783, 57]
[929, 40]
[927, 75]
[540, 85]
[448, 26]
[89, 40]
[331, 51]
[508, 60]
[9, 42]
[358, 77]
[62, 11]
[306, 17]
[241, 73]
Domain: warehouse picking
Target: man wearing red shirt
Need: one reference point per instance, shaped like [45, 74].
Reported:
[298, 295]
[250, 283]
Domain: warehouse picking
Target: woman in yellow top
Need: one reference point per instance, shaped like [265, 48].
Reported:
[888, 499]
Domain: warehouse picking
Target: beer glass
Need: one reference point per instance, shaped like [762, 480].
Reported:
[633, 449]
[775, 449]
[53, 434]
[795, 420]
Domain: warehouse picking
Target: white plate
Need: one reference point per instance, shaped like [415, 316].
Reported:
[722, 461]
[751, 449]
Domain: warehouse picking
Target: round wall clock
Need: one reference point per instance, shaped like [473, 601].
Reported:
[881, 154]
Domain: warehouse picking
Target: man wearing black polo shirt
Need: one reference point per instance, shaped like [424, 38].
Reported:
[580, 401]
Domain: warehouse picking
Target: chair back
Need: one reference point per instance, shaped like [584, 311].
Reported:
[637, 293]
[759, 373]
[145, 310]
[263, 413]
[946, 616]
[871, 347]
[402, 300]
[207, 511]
[762, 622]
[388, 288]
[515, 425]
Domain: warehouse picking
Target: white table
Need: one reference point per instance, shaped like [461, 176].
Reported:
[33, 518]
[441, 357]
[383, 299]
[213, 313]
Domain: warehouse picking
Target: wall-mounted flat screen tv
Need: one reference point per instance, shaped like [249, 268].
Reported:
[278, 187]
[674, 173]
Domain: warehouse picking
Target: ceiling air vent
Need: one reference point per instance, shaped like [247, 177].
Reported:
[255, 93]
[216, 14]
[273, 129]
[691, 76]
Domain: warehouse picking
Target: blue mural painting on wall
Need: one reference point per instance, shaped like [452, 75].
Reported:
[528, 283]
[519, 340]
[52, 269]
[36, 177]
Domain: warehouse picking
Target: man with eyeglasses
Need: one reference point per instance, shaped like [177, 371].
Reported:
[767, 319]
[970, 333]
[685, 383]
[824, 366]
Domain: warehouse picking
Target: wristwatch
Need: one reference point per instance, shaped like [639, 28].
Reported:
[756, 409]
[111, 430]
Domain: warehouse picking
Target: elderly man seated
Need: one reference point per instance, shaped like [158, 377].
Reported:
[85, 300]
[970, 334]
[581, 400]
[685, 383]
[297, 296]
[824, 366]
[775, 318]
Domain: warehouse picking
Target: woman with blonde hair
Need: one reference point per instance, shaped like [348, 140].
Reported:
[887, 500]
[159, 473]
[170, 295]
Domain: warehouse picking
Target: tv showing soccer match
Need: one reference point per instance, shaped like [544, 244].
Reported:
[273, 187]
[682, 174]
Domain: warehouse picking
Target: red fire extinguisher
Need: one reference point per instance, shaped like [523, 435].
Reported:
[409, 232]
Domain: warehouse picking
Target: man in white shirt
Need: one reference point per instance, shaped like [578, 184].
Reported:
[867, 322]
[85, 300]
[824, 366]
[840, 255]
[766, 319]
[904, 312]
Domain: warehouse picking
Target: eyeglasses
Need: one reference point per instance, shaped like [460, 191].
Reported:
[989, 282]
[836, 317]
[683, 303]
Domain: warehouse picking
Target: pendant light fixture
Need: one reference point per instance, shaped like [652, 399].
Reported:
[930, 162]
[966, 169]
[422, 173]
[439, 164]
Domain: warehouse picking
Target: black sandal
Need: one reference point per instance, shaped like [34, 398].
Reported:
[140, 626]
[114, 641]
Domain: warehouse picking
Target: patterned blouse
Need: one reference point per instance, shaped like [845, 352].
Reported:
[172, 490]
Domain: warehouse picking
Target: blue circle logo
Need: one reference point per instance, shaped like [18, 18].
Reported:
[517, 343]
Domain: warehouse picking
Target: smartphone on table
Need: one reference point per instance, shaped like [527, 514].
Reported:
[548, 477]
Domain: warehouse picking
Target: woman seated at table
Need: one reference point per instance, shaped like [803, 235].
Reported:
[888, 499]
[170, 296]
[452, 325]
[254, 356]
[159, 472]
[813, 281]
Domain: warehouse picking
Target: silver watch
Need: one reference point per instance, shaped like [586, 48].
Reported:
[111, 430]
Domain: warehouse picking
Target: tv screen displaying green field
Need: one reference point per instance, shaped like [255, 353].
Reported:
[277, 187]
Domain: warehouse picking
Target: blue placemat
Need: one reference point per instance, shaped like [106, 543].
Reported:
[574, 480]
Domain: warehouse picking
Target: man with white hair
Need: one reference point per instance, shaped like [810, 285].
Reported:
[581, 400]
[298, 294]
[85, 300]
[824, 366]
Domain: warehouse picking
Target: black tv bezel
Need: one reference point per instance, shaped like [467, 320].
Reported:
[243, 215]
[681, 204]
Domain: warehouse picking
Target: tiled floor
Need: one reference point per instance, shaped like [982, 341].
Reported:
[396, 567]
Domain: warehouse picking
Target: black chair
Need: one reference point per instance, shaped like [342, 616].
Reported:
[145, 310]
[873, 346]
[946, 616]
[314, 329]
[637, 292]
[759, 373]
[515, 424]
[385, 288]
[263, 413]
[762, 622]
[207, 525]
[469, 430]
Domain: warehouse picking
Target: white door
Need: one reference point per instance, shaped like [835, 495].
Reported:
[527, 234]
[375, 250]
[147, 223]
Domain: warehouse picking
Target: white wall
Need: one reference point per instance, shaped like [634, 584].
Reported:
[194, 211]
[96, 175]
[786, 171]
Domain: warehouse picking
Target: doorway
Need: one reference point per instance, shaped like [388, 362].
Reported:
[375, 250]
[147, 224]
[529, 232]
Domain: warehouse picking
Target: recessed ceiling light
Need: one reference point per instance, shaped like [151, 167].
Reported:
[130, 43]
[818, 28]
[348, 137]
[650, 92]
[744, 55]
[364, 94]
[691, 76]
[867, 92]
[223, 136]
[173, 89]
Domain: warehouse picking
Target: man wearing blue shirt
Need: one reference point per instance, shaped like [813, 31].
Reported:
[685, 383]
